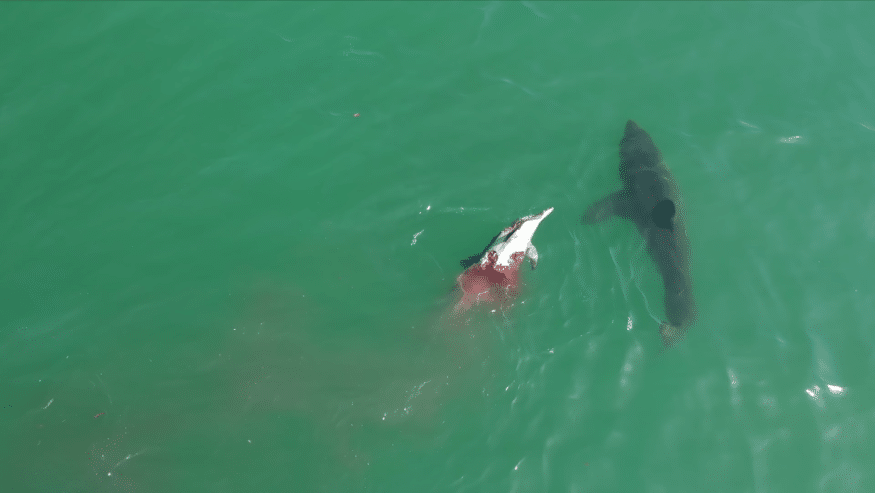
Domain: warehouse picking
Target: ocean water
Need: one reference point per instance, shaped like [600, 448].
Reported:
[229, 236]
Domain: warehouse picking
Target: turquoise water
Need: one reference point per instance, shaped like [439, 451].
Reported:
[215, 277]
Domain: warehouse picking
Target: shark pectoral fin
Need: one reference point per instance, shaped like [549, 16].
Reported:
[532, 253]
[615, 204]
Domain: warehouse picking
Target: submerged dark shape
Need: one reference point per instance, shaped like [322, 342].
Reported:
[477, 257]
[650, 198]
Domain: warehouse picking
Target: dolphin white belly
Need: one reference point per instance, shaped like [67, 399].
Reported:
[496, 276]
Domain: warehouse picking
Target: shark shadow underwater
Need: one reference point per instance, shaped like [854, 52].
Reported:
[650, 199]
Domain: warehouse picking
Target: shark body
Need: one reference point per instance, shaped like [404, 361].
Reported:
[650, 198]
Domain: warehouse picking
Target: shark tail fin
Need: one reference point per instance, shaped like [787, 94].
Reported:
[671, 334]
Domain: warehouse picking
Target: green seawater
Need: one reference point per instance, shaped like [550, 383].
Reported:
[229, 235]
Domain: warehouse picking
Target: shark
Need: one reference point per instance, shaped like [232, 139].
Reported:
[650, 198]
